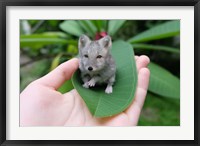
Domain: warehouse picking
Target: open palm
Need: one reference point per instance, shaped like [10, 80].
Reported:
[42, 105]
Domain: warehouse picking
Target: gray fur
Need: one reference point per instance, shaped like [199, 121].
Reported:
[104, 67]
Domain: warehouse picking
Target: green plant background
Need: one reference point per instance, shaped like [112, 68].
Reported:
[44, 44]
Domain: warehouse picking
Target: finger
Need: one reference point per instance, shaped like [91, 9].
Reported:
[142, 61]
[60, 74]
[134, 110]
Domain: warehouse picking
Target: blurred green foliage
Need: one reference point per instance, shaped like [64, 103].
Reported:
[47, 43]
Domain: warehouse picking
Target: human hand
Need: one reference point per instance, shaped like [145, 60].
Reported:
[42, 105]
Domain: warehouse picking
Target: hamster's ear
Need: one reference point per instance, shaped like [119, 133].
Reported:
[83, 41]
[106, 42]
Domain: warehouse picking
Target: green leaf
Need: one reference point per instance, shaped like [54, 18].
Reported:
[104, 25]
[56, 61]
[88, 26]
[162, 82]
[101, 104]
[157, 47]
[167, 29]
[40, 41]
[72, 49]
[45, 35]
[114, 26]
[158, 111]
[56, 34]
[72, 27]
[66, 87]
[37, 41]
[100, 24]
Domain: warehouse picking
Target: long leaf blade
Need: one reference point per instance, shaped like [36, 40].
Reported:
[163, 83]
[56, 61]
[100, 24]
[40, 42]
[167, 29]
[157, 47]
[72, 27]
[37, 41]
[45, 35]
[114, 26]
[88, 26]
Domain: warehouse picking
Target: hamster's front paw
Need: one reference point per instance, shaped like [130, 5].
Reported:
[91, 83]
[85, 85]
[108, 89]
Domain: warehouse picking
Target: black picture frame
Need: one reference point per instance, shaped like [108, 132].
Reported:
[5, 3]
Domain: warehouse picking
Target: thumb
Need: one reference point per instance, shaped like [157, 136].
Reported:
[60, 74]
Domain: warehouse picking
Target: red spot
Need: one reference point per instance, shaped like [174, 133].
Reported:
[100, 35]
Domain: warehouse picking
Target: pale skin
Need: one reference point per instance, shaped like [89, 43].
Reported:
[42, 105]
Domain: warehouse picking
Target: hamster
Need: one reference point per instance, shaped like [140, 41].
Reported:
[96, 63]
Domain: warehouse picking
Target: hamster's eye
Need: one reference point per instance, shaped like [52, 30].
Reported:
[99, 56]
[86, 56]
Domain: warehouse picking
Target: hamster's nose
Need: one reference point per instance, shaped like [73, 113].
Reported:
[90, 68]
